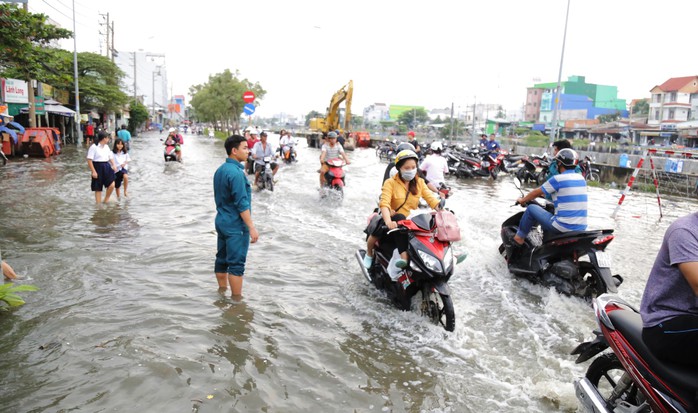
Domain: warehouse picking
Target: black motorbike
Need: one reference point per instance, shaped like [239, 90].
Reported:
[629, 378]
[431, 266]
[575, 262]
[266, 176]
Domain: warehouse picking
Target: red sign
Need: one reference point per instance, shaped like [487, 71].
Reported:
[248, 96]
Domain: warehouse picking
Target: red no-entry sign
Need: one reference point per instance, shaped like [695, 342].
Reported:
[248, 96]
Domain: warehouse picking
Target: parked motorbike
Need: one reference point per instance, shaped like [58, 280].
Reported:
[266, 176]
[575, 262]
[431, 266]
[588, 171]
[386, 151]
[629, 378]
[334, 177]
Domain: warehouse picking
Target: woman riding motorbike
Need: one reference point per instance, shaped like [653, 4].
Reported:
[400, 195]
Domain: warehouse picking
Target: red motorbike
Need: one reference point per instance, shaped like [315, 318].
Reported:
[430, 267]
[334, 177]
[630, 378]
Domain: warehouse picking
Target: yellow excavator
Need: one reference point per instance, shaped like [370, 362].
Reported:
[320, 126]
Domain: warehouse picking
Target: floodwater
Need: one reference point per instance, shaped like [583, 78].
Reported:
[128, 317]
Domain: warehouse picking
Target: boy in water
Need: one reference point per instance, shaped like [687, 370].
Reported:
[233, 196]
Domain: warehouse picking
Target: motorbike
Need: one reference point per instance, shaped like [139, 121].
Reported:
[535, 169]
[266, 176]
[288, 153]
[430, 267]
[386, 151]
[629, 378]
[575, 262]
[170, 152]
[588, 172]
[334, 177]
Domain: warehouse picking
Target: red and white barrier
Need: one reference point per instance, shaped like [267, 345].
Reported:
[648, 154]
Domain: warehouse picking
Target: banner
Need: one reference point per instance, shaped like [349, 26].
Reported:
[15, 91]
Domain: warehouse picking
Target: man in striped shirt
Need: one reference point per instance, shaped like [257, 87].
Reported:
[568, 191]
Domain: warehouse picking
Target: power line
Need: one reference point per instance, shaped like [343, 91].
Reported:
[71, 9]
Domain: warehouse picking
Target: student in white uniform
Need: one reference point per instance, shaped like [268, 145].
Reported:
[121, 159]
[100, 159]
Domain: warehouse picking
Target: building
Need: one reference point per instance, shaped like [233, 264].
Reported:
[578, 100]
[376, 113]
[674, 101]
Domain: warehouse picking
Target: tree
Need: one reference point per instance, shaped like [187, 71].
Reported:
[458, 128]
[139, 114]
[25, 43]
[609, 117]
[500, 113]
[413, 117]
[357, 122]
[220, 99]
[312, 114]
[642, 107]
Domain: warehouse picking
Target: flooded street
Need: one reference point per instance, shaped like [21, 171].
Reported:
[128, 318]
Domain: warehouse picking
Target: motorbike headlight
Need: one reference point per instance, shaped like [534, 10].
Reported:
[431, 262]
[448, 258]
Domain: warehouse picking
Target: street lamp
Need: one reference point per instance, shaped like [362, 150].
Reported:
[553, 126]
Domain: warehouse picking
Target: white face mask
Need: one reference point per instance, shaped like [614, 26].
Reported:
[409, 174]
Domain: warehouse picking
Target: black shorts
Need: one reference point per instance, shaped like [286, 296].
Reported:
[105, 176]
[119, 177]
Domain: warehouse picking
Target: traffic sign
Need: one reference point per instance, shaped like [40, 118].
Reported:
[248, 97]
[248, 109]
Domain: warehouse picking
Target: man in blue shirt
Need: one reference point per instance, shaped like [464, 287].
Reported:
[233, 196]
[125, 136]
[557, 147]
[493, 145]
[483, 141]
[569, 193]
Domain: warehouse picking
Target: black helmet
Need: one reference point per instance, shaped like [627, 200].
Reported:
[567, 157]
[405, 146]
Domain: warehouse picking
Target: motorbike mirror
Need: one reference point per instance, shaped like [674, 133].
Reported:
[517, 184]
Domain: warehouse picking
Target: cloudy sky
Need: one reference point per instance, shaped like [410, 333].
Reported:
[428, 53]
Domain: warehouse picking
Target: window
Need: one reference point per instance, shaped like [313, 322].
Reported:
[672, 97]
[656, 115]
[671, 113]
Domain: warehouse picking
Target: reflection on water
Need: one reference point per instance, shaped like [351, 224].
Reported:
[123, 319]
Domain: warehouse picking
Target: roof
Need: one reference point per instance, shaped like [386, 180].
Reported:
[676, 83]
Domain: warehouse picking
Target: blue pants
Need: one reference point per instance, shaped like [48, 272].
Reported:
[535, 214]
[232, 251]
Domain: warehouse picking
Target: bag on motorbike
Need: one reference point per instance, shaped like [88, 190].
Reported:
[447, 228]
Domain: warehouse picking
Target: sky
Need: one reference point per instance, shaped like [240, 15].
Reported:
[404, 52]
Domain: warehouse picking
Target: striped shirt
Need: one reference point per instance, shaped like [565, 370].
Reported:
[569, 194]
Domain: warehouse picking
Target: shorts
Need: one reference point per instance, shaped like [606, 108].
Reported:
[119, 177]
[258, 167]
[105, 176]
[231, 255]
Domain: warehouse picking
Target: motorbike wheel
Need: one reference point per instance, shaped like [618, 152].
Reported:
[439, 309]
[591, 286]
[493, 174]
[605, 373]
[593, 176]
[269, 183]
[540, 178]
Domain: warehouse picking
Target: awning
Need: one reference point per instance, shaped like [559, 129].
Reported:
[55, 110]
[647, 133]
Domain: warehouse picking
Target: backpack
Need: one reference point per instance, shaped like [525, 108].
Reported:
[447, 228]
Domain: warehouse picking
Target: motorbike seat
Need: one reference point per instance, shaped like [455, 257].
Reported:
[629, 324]
[548, 236]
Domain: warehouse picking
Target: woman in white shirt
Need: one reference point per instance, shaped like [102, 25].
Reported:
[100, 159]
[121, 159]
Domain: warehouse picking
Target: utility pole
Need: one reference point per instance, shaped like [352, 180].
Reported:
[108, 27]
[112, 42]
[78, 132]
[472, 135]
[452, 131]
[135, 85]
[553, 126]
[30, 88]
[154, 73]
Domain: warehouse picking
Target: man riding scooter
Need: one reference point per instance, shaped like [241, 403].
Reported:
[569, 194]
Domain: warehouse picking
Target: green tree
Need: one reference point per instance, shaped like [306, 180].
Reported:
[357, 122]
[413, 117]
[642, 107]
[458, 129]
[609, 117]
[139, 114]
[25, 43]
[312, 114]
[220, 99]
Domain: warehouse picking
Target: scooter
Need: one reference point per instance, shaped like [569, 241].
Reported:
[431, 265]
[629, 378]
[288, 153]
[575, 262]
[334, 177]
[266, 176]
[170, 152]
[588, 171]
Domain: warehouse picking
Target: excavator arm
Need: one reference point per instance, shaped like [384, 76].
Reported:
[342, 95]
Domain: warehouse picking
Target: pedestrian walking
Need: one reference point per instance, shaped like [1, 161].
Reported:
[121, 159]
[233, 196]
[100, 159]
[89, 134]
[125, 136]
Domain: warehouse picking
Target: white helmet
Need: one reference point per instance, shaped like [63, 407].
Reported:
[436, 146]
[171, 130]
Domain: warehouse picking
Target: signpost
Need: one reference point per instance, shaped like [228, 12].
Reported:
[248, 97]
[248, 109]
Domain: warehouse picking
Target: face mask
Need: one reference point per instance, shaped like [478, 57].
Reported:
[408, 175]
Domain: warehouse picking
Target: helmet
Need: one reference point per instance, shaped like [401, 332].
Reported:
[406, 154]
[410, 133]
[254, 131]
[567, 157]
[332, 134]
[436, 146]
[171, 130]
[405, 146]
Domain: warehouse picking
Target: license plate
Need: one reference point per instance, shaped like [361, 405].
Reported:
[485, 164]
[604, 259]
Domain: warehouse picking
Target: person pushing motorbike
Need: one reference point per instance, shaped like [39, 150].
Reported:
[569, 194]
